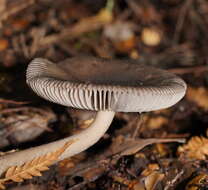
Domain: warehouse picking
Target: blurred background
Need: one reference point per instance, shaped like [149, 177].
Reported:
[168, 34]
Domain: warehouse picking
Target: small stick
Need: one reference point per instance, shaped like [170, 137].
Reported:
[181, 19]
[138, 126]
[4, 101]
[171, 183]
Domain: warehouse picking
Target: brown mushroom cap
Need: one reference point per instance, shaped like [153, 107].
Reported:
[101, 84]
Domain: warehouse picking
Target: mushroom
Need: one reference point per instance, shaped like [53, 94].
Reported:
[102, 85]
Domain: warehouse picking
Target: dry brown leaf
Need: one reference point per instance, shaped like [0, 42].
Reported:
[197, 181]
[197, 148]
[156, 122]
[152, 177]
[91, 173]
[24, 123]
[162, 150]
[132, 184]
[199, 96]
[33, 167]
[121, 180]
[152, 180]
[133, 146]
[150, 168]
[3, 44]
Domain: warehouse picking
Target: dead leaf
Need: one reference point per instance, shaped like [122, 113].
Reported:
[153, 179]
[198, 96]
[162, 149]
[155, 122]
[150, 168]
[196, 148]
[197, 181]
[92, 173]
[28, 187]
[3, 44]
[24, 123]
[133, 146]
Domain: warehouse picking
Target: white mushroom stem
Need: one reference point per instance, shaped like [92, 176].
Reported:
[82, 141]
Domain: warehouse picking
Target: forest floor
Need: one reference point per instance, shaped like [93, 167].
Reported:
[168, 34]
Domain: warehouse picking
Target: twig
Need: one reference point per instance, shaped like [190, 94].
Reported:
[24, 46]
[24, 108]
[4, 101]
[88, 24]
[138, 126]
[181, 19]
[132, 147]
[171, 183]
[37, 35]
[14, 8]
